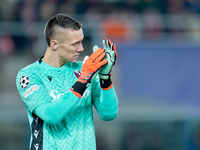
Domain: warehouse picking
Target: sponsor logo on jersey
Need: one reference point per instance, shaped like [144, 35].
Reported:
[55, 95]
[77, 73]
[86, 93]
[30, 90]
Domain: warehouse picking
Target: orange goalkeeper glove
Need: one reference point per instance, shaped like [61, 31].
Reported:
[105, 71]
[111, 56]
[89, 68]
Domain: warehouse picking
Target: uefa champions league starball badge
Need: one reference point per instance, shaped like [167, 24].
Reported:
[24, 82]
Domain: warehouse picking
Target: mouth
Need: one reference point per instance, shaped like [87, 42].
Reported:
[76, 56]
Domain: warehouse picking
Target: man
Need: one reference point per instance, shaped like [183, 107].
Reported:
[58, 91]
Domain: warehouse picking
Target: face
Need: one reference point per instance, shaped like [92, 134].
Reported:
[70, 45]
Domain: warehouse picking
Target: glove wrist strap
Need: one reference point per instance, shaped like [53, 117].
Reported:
[78, 89]
[106, 84]
[104, 76]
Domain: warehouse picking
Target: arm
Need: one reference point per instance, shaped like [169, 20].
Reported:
[38, 101]
[107, 102]
[54, 112]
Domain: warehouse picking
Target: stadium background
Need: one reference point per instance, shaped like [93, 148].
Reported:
[157, 75]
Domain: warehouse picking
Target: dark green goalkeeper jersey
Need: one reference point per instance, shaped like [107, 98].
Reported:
[67, 120]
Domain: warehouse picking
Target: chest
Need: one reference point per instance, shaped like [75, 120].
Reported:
[57, 83]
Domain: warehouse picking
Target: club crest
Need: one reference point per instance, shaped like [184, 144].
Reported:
[77, 73]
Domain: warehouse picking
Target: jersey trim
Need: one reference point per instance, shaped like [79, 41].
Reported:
[40, 60]
[37, 133]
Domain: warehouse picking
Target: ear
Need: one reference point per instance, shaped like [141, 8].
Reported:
[54, 45]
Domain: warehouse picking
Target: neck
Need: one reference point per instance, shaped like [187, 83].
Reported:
[51, 58]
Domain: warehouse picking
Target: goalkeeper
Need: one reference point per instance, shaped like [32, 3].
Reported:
[58, 91]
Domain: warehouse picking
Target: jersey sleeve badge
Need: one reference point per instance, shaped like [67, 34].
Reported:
[30, 90]
[24, 82]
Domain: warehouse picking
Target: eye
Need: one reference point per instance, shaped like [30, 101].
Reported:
[76, 44]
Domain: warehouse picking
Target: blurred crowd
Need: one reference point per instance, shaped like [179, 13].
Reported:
[117, 18]
[39, 10]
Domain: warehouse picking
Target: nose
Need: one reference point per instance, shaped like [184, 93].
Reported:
[80, 48]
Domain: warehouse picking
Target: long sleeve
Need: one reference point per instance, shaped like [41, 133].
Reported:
[50, 107]
[106, 102]
[52, 113]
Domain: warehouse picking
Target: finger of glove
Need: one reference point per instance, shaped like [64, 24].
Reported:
[109, 42]
[109, 45]
[104, 42]
[106, 46]
[106, 68]
[100, 57]
[85, 58]
[110, 49]
[95, 48]
[96, 54]
[101, 64]
[115, 52]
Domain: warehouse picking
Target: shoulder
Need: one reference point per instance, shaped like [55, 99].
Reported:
[30, 69]
[27, 75]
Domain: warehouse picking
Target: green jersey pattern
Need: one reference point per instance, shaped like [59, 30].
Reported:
[40, 83]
